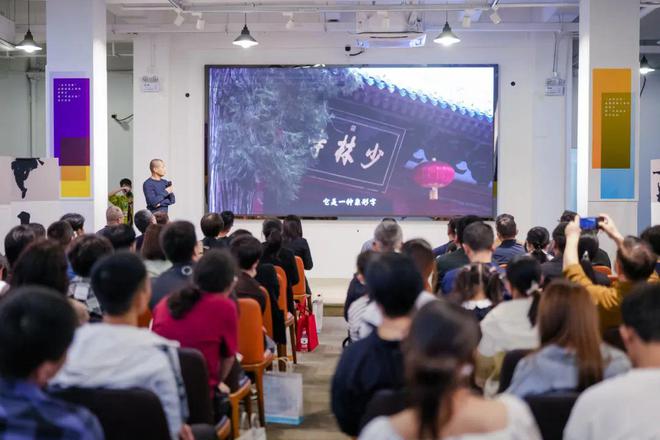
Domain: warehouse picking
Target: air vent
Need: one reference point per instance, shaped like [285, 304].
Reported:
[390, 40]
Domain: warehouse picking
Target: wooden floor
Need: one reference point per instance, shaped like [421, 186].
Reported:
[317, 369]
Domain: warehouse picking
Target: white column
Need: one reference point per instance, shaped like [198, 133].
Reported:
[76, 41]
[609, 38]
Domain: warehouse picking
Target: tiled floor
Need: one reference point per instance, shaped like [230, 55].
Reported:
[317, 369]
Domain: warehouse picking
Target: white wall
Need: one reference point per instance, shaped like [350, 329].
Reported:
[532, 141]
[120, 141]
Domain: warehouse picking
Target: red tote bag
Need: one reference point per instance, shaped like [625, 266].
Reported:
[307, 338]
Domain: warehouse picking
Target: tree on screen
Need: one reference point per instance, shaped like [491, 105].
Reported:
[262, 125]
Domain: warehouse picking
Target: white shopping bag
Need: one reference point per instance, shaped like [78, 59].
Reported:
[283, 395]
[252, 431]
[317, 309]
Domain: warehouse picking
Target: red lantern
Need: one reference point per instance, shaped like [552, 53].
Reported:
[434, 175]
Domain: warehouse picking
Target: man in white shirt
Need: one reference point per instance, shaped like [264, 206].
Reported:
[116, 354]
[625, 407]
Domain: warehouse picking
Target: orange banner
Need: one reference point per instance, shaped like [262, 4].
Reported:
[611, 110]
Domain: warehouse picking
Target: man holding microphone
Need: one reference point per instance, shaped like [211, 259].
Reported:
[158, 192]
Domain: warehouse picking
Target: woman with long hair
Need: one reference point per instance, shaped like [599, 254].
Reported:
[572, 355]
[277, 255]
[537, 242]
[478, 288]
[422, 254]
[152, 252]
[439, 357]
[292, 238]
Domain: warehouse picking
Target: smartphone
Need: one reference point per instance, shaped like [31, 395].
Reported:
[168, 184]
[590, 223]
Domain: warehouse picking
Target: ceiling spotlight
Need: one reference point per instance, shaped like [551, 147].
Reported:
[290, 24]
[245, 40]
[201, 23]
[447, 37]
[28, 44]
[495, 17]
[467, 18]
[644, 66]
[178, 20]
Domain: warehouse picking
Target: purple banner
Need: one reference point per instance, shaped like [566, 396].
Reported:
[71, 121]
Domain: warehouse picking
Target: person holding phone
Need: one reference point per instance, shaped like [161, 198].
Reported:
[635, 262]
[158, 192]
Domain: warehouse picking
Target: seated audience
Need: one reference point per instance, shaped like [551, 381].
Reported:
[76, 221]
[211, 225]
[152, 252]
[17, 239]
[247, 250]
[422, 254]
[507, 230]
[651, 235]
[536, 244]
[203, 317]
[439, 356]
[388, 237]
[60, 232]
[116, 354]
[554, 268]
[625, 407]
[587, 250]
[228, 222]
[142, 219]
[84, 251]
[36, 328]
[370, 244]
[572, 355]
[376, 363]
[601, 258]
[478, 242]
[179, 243]
[354, 312]
[512, 324]
[635, 263]
[458, 258]
[292, 239]
[38, 229]
[121, 236]
[277, 255]
[113, 216]
[478, 288]
[450, 246]
[161, 217]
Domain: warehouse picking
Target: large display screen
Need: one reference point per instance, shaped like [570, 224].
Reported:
[352, 141]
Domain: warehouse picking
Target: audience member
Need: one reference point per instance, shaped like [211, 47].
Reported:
[450, 246]
[292, 239]
[369, 244]
[277, 255]
[113, 217]
[376, 363]
[121, 236]
[507, 230]
[635, 263]
[38, 229]
[36, 328]
[76, 221]
[512, 324]
[572, 355]
[478, 242]
[116, 354]
[228, 222]
[439, 356]
[60, 232]
[458, 258]
[388, 237]
[625, 407]
[248, 250]
[161, 217]
[478, 288]
[206, 301]
[422, 254]
[152, 252]
[142, 219]
[179, 243]
[536, 244]
[16, 240]
[212, 226]
[587, 250]
[554, 268]
[651, 235]
[359, 298]
[84, 251]
[601, 258]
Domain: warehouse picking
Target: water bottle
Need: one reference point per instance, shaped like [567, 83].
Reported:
[303, 340]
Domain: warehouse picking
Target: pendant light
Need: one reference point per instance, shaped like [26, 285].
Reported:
[28, 44]
[245, 40]
[447, 37]
[644, 66]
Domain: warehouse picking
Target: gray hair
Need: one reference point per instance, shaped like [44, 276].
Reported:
[388, 235]
[114, 213]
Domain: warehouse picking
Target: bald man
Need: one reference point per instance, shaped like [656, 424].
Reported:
[158, 192]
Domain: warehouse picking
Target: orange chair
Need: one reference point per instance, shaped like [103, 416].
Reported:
[251, 347]
[300, 289]
[289, 322]
[268, 314]
[603, 269]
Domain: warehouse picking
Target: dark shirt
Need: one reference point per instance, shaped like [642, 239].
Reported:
[248, 287]
[214, 243]
[449, 279]
[450, 261]
[170, 281]
[138, 242]
[355, 291]
[155, 192]
[507, 250]
[27, 413]
[366, 366]
[441, 250]
[267, 277]
[657, 268]
[287, 261]
[300, 248]
[602, 259]
[554, 269]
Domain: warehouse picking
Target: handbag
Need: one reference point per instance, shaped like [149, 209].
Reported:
[252, 431]
[307, 338]
[283, 395]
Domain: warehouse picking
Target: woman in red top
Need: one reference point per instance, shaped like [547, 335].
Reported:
[202, 316]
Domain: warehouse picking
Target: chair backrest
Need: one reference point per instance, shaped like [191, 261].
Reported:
[613, 337]
[511, 359]
[281, 299]
[196, 380]
[250, 333]
[145, 319]
[551, 412]
[383, 403]
[603, 269]
[128, 414]
[300, 289]
[268, 314]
